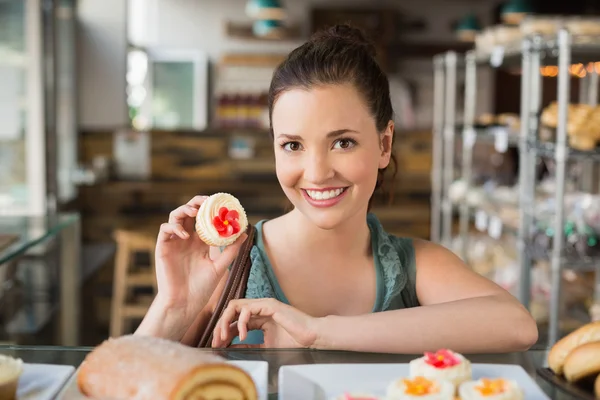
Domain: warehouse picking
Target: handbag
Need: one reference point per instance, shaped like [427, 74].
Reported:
[235, 287]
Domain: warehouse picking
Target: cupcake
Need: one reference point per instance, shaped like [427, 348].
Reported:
[420, 388]
[490, 389]
[10, 371]
[442, 365]
[221, 220]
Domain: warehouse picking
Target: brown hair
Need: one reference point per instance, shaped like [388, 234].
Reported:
[338, 55]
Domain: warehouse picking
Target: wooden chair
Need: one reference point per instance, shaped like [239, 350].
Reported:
[126, 305]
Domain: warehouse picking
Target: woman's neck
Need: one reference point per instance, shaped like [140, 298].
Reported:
[351, 238]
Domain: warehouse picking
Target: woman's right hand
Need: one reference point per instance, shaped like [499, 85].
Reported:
[186, 274]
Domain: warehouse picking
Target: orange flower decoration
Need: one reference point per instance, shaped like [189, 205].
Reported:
[226, 223]
[490, 387]
[420, 386]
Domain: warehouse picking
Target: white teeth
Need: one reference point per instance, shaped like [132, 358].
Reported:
[324, 195]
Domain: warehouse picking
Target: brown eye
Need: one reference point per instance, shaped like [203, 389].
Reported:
[345, 144]
[291, 146]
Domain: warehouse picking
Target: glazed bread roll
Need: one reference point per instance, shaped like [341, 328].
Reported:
[140, 367]
[561, 349]
[221, 220]
[582, 362]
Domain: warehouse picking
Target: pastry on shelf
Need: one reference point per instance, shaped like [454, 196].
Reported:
[583, 26]
[560, 350]
[486, 119]
[144, 367]
[539, 25]
[512, 121]
[582, 362]
[10, 372]
[221, 220]
[597, 387]
[487, 388]
[443, 365]
[420, 388]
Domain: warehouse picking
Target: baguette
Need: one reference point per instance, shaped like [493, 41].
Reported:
[561, 349]
[140, 367]
[582, 362]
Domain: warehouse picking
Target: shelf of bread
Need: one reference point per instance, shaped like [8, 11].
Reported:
[583, 130]
[501, 45]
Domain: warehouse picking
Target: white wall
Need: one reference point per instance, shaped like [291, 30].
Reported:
[102, 50]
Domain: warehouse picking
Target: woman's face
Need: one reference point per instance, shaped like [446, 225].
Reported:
[328, 152]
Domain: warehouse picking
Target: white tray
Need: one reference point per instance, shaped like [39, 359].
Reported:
[258, 370]
[42, 381]
[325, 381]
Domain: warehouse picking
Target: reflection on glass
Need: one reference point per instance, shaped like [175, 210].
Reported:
[173, 94]
[13, 74]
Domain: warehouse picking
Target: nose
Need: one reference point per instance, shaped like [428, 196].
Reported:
[318, 168]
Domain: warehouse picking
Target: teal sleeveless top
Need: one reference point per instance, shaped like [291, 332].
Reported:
[395, 269]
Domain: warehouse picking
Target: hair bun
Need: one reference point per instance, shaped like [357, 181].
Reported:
[347, 33]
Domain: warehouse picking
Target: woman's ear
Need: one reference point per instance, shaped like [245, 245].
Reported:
[387, 139]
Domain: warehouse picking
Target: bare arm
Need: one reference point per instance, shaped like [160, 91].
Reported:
[163, 321]
[460, 310]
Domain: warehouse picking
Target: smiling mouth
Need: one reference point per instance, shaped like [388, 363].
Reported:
[324, 194]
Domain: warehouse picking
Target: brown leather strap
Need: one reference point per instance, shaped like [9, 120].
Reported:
[235, 287]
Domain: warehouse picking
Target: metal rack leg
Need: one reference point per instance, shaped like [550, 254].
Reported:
[449, 131]
[524, 155]
[564, 60]
[468, 138]
[437, 143]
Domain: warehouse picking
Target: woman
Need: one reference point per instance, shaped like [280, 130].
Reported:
[326, 275]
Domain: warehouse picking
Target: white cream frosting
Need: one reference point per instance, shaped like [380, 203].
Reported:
[467, 391]
[397, 388]
[209, 209]
[456, 374]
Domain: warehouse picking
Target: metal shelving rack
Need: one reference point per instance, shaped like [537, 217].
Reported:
[533, 53]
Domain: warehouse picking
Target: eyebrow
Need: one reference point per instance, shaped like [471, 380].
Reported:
[332, 134]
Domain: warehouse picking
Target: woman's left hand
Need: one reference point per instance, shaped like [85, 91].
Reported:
[283, 325]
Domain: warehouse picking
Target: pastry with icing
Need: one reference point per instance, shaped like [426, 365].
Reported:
[135, 367]
[420, 388]
[442, 365]
[221, 220]
[491, 389]
[10, 372]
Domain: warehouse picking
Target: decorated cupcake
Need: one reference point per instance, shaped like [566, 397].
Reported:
[221, 220]
[442, 365]
[491, 389]
[420, 388]
[10, 371]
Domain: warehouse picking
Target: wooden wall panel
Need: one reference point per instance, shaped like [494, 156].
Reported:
[185, 164]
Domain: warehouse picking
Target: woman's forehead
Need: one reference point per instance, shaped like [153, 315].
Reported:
[323, 107]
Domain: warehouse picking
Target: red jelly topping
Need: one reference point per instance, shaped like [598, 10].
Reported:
[441, 359]
[226, 223]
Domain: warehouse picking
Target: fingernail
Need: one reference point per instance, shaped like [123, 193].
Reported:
[184, 233]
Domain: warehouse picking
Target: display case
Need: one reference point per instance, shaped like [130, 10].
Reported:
[38, 128]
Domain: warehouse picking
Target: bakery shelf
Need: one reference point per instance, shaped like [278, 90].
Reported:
[548, 150]
[527, 54]
[584, 48]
